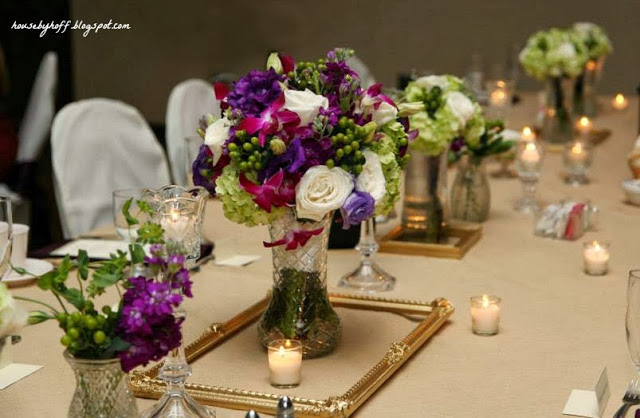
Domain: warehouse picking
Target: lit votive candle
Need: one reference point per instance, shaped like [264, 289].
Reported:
[578, 153]
[620, 102]
[528, 134]
[174, 224]
[596, 258]
[285, 363]
[530, 156]
[584, 126]
[485, 314]
[498, 97]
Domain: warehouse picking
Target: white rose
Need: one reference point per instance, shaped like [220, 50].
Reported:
[461, 106]
[322, 190]
[431, 81]
[305, 103]
[216, 134]
[384, 113]
[371, 180]
[565, 50]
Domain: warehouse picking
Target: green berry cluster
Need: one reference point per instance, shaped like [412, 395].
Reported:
[307, 75]
[248, 155]
[86, 331]
[433, 101]
[348, 140]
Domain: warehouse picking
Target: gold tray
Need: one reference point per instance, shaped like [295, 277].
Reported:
[432, 316]
[463, 236]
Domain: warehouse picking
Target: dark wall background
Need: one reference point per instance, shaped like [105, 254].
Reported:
[170, 41]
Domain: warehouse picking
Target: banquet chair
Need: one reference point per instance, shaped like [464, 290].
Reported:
[366, 77]
[188, 101]
[97, 146]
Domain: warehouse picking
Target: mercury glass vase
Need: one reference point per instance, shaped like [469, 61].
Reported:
[102, 389]
[470, 193]
[300, 308]
[557, 126]
[425, 214]
[584, 95]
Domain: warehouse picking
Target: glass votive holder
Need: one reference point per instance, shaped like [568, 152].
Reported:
[578, 156]
[596, 258]
[485, 314]
[285, 363]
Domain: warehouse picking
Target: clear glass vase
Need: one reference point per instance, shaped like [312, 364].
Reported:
[584, 95]
[557, 127]
[426, 207]
[299, 308]
[470, 194]
[102, 389]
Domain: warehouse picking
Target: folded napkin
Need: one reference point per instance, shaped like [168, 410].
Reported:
[96, 248]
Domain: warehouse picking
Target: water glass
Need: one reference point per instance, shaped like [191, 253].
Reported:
[120, 197]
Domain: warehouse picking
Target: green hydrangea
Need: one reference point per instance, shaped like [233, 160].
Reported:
[438, 125]
[554, 53]
[238, 205]
[594, 38]
[387, 150]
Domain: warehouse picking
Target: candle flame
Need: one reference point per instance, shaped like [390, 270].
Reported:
[527, 133]
[174, 215]
[531, 146]
[584, 122]
[577, 148]
[591, 65]
[596, 246]
[501, 83]
[287, 343]
[619, 99]
[485, 301]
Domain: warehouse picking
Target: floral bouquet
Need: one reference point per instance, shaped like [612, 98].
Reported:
[598, 46]
[444, 110]
[294, 143]
[491, 142]
[303, 137]
[555, 53]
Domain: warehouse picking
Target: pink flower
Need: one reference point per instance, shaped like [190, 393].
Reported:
[275, 191]
[270, 121]
[294, 239]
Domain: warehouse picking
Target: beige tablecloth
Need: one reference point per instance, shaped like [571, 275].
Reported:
[560, 327]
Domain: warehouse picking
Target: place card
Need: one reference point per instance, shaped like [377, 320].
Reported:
[589, 403]
[237, 260]
[14, 372]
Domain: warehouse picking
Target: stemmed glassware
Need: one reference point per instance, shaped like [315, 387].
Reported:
[368, 276]
[180, 218]
[578, 156]
[6, 235]
[632, 318]
[529, 157]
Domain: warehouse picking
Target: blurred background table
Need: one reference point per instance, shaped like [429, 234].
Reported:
[559, 327]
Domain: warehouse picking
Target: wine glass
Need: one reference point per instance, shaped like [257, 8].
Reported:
[632, 319]
[529, 157]
[6, 235]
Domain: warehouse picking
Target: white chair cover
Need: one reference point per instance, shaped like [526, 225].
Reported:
[366, 77]
[188, 101]
[36, 123]
[100, 145]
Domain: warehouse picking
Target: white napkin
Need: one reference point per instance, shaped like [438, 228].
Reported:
[96, 248]
[237, 260]
[14, 372]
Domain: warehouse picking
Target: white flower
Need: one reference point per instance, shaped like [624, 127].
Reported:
[584, 28]
[274, 62]
[371, 180]
[431, 81]
[411, 108]
[216, 134]
[384, 113]
[305, 103]
[12, 316]
[322, 190]
[461, 106]
[565, 50]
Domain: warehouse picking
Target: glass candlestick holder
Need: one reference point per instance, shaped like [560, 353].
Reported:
[368, 276]
[577, 157]
[529, 157]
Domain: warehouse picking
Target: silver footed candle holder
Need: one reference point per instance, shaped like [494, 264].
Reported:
[529, 156]
[368, 276]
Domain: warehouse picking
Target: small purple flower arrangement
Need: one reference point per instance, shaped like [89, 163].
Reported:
[144, 325]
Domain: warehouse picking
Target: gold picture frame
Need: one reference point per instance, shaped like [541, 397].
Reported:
[431, 316]
[465, 234]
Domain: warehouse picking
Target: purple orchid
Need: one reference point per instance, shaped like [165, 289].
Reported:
[358, 207]
[255, 92]
[270, 121]
[273, 192]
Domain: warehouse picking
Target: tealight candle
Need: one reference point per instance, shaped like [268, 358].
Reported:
[498, 97]
[584, 126]
[578, 153]
[485, 314]
[285, 363]
[528, 134]
[530, 156]
[174, 225]
[620, 102]
[596, 258]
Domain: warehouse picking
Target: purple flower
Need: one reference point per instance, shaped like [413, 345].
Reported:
[457, 144]
[358, 207]
[181, 281]
[253, 93]
[301, 154]
[201, 168]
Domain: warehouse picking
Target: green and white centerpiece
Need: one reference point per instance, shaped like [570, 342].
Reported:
[598, 47]
[442, 110]
[556, 56]
[294, 144]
